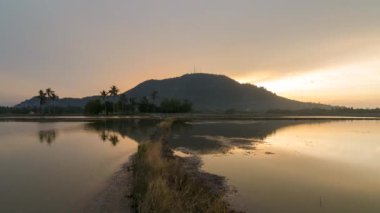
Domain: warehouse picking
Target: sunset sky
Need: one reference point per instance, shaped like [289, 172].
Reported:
[324, 51]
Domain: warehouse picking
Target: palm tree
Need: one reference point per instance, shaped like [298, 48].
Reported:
[54, 97]
[42, 99]
[114, 92]
[49, 93]
[104, 94]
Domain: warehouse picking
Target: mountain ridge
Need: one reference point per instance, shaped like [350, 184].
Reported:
[207, 92]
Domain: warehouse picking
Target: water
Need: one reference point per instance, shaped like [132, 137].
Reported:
[275, 165]
[291, 166]
[60, 167]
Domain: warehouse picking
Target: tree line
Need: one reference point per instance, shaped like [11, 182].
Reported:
[111, 102]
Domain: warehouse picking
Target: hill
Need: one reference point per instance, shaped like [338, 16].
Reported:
[207, 92]
[217, 92]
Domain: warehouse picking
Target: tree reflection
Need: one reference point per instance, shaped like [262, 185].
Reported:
[111, 130]
[47, 136]
[114, 139]
[104, 135]
[199, 136]
[221, 136]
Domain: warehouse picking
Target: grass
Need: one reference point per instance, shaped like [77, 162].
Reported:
[161, 182]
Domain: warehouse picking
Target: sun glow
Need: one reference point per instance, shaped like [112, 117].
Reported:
[354, 84]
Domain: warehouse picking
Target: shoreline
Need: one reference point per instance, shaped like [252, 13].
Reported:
[180, 117]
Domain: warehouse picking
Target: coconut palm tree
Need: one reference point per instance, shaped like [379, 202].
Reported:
[104, 95]
[114, 92]
[49, 95]
[42, 99]
[54, 97]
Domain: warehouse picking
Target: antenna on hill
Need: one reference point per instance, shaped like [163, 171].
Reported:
[195, 70]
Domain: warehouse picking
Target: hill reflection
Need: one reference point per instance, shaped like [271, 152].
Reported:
[206, 137]
[202, 137]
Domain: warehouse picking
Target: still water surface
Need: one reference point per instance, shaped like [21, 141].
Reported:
[275, 166]
[59, 167]
[291, 166]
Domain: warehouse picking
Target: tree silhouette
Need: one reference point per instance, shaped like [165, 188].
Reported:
[42, 99]
[49, 95]
[104, 94]
[154, 96]
[114, 92]
[94, 107]
[133, 103]
[54, 97]
[146, 106]
[123, 101]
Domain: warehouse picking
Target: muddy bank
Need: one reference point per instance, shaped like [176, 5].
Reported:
[115, 197]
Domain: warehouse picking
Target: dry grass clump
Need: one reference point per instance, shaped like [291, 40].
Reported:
[162, 184]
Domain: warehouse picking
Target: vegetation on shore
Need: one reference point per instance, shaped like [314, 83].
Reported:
[110, 102]
[161, 182]
[113, 103]
[107, 103]
[47, 100]
[72, 110]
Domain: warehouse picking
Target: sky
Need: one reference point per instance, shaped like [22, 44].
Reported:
[325, 51]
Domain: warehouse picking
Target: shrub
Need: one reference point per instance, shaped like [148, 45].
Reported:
[173, 105]
[93, 107]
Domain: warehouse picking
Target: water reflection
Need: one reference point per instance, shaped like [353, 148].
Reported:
[317, 167]
[207, 137]
[47, 136]
[202, 137]
[301, 164]
[62, 177]
[112, 130]
[114, 139]
[109, 136]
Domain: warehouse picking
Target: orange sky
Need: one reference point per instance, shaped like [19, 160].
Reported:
[324, 51]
